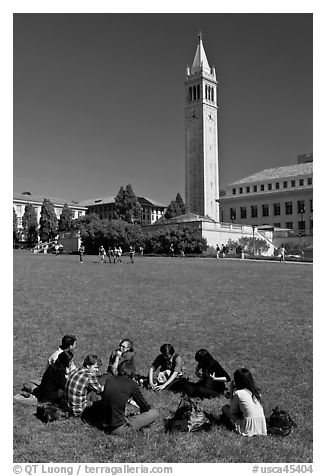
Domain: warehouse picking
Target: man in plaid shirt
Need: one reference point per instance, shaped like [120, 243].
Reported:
[81, 385]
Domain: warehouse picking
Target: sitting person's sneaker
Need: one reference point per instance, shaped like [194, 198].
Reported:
[26, 394]
[227, 394]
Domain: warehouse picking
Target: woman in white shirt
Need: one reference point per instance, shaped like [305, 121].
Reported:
[246, 413]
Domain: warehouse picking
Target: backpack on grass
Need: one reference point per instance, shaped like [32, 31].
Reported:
[279, 423]
[48, 412]
[188, 417]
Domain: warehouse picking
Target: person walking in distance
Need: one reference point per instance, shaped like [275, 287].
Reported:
[81, 253]
[282, 251]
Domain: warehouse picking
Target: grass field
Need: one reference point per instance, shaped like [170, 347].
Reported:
[246, 313]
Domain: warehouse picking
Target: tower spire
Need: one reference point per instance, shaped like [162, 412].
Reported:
[200, 62]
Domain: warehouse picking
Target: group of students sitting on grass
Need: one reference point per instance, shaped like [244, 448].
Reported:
[77, 389]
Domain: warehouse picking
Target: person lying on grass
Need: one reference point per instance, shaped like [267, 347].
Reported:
[170, 369]
[118, 391]
[54, 379]
[245, 415]
[82, 387]
[123, 354]
[68, 343]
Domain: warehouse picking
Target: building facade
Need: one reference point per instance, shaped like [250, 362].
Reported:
[201, 137]
[281, 197]
[22, 199]
[104, 207]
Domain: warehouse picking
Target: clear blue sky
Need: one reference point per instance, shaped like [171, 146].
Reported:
[99, 98]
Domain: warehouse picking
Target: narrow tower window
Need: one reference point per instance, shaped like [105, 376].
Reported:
[198, 91]
[213, 94]
[194, 93]
[205, 91]
[190, 94]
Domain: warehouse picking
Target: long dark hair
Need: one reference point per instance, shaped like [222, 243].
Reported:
[204, 359]
[244, 379]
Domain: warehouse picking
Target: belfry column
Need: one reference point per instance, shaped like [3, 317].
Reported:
[201, 137]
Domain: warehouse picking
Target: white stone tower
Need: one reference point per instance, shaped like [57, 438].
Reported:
[201, 134]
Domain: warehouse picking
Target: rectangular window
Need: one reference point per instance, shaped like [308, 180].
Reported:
[288, 208]
[19, 221]
[254, 211]
[285, 185]
[241, 190]
[277, 225]
[309, 181]
[301, 206]
[262, 188]
[265, 210]
[269, 186]
[301, 182]
[255, 188]
[243, 212]
[311, 224]
[234, 191]
[18, 209]
[302, 225]
[292, 183]
[80, 213]
[311, 208]
[233, 214]
[248, 189]
[289, 225]
[277, 185]
[277, 209]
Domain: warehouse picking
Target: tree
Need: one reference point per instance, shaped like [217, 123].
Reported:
[30, 225]
[48, 221]
[66, 220]
[181, 204]
[176, 208]
[127, 207]
[15, 225]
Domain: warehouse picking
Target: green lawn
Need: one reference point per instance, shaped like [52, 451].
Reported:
[246, 313]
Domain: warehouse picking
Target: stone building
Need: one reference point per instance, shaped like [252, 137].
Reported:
[104, 207]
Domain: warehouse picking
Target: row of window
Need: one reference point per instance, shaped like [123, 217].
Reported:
[269, 186]
[20, 210]
[301, 225]
[194, 93]
[265, 208]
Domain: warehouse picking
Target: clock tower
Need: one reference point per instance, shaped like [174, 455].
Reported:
[201, 137]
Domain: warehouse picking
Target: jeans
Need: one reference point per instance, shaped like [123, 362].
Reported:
[136, 422]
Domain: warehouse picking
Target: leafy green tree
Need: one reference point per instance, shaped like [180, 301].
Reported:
[96, 232]
[30, 225]
[48, 221]
[127, 207]
[15, 225]
[184, 239]
[175, 208]
[65, 221]
[180, 202]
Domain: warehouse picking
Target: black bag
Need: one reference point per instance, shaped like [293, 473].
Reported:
[279, 423]
[188, 417]
[48, 412]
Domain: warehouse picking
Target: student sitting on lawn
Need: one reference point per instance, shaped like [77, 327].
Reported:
[170, 369]
[82, 387]
[54, 379]
[245, 414]
[123, 354]
[212, 377]
[118, 390]
[68, 343]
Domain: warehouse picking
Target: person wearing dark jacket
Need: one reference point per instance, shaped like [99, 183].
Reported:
[54, 379]
[212, 377]
[117, 391]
